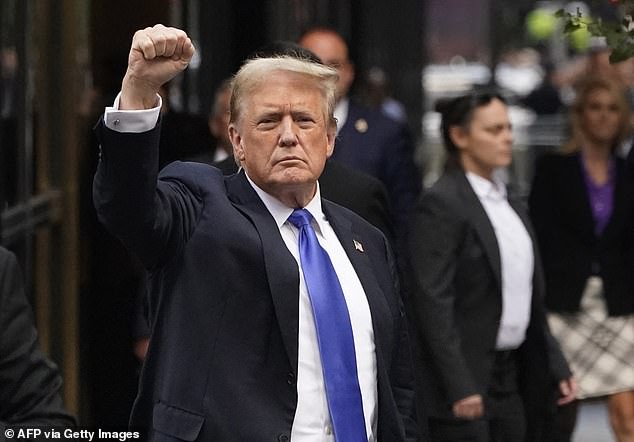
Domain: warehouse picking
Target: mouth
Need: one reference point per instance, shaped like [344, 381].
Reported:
[288, 160]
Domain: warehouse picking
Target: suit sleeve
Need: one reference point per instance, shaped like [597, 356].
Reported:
[436, 237]
[29, 383]
[559, 368]
[152, 217]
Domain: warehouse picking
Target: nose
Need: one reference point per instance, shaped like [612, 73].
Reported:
[508, 136]
[288, 134]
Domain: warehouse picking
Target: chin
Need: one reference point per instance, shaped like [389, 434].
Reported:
[296, 177]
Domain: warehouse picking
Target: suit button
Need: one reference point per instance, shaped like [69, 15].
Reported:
[283, 438]
[290, 379]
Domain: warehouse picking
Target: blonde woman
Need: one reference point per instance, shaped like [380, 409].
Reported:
[582, 206]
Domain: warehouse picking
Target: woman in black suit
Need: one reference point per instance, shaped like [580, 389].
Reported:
[487, 366]
[582, 206]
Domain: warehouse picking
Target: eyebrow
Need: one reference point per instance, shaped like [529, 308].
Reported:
[276, 113]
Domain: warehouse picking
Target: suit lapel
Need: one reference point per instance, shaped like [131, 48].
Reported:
[353, 244]
[281, 268]
[481, 224]
[519, 208]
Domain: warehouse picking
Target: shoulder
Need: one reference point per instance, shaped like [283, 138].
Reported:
[448, 188]
[336, 173]
[557, 161]
[198, 177]
[625, 173]
[446, 203]
[374, 119]
[357, 223]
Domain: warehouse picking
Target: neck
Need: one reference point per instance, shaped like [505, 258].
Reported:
[471, 166]
[596, 152]
[295, 197]
[596, 161]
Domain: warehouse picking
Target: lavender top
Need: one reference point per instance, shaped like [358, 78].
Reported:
[601, 196]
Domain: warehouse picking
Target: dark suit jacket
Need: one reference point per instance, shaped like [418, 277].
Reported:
[372, 143]
[363, 194]
[571, 251]
[29, 383]
[222, 362]
[457, 304]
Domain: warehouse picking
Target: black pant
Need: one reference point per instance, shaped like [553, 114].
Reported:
[503, 419]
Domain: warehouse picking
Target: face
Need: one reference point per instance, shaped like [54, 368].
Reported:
[487, 142]
[281, 136]
[332, 51]
[600, 117]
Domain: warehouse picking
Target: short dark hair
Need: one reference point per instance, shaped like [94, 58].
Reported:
[459, 111]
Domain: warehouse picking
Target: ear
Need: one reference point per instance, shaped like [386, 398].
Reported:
[459, 136]
[236, 142]
[331, 135]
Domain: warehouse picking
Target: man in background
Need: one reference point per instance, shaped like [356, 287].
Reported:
[366, 139]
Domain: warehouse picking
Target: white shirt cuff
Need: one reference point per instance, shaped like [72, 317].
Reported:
[135, 121]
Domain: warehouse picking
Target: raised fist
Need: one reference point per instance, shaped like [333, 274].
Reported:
[156, 56]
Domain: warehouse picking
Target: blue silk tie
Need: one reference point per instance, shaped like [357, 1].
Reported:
[334, 334]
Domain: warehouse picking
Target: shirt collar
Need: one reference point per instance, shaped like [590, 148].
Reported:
[341, 112]
[484, 188]
[281, 212]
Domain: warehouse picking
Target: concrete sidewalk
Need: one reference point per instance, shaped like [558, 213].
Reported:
[592, 423]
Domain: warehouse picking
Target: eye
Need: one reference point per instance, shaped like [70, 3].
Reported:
[266, 123]
[305, 121]
[495, 130]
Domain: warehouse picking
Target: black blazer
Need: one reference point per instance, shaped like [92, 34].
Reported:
[30, 383]
[374, 144]
[222, 362]
[561, 213]
[457, 304]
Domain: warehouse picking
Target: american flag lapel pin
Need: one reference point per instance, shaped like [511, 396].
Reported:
[357, 245]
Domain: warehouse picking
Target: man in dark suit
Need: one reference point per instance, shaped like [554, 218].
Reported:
[236, 351]
[29, 383]
[366, 139]
[363, 194]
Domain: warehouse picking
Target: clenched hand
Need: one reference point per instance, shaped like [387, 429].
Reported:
[156, 56]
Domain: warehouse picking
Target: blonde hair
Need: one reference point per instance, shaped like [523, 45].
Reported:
[618, 93]
[256, 71]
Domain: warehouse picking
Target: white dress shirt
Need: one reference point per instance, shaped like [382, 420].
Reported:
[312, 420]
[516, 258]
